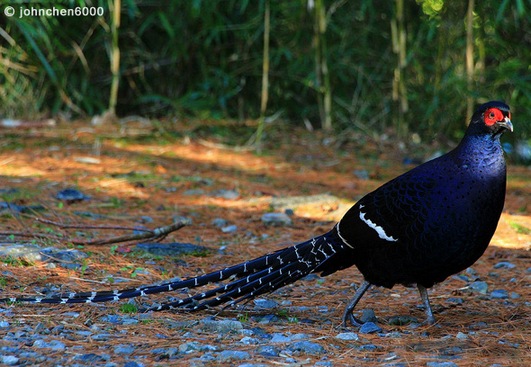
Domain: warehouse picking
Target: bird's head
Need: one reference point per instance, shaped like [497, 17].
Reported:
[493, 118]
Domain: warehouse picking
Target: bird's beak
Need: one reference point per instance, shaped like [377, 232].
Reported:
[506, 123]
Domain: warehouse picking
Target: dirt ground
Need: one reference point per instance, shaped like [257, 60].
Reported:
[134, 172]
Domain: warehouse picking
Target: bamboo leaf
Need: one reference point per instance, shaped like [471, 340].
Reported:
[38, 52]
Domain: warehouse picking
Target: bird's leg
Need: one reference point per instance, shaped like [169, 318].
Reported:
[430, 319]
[352, 304]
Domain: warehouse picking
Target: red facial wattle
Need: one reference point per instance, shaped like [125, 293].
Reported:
[492, 115]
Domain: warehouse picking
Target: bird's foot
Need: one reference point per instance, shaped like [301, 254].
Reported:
[353, 320]
[430, 320]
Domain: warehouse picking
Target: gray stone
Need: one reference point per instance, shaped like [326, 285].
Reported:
[441, 364]
[112, 319]
[124, 349]
[370, 328]
[226, 194]
[52, 344]
[281, 338]
[229, 229]
[71, 195]
[268, 351]
[222, 326]
[504, 265]
[247, 340]
[189, 347]
[101, 337]
[368, 347]
[300, 336]
[307, 347]
[368, 315]
[277, 219]
[362, 174]
[262, 303]
[480, 287]
[233, 355]
[455, 300]
[26, 251]
[170, 249]
[68, 255]
[89, 358]
[219, 222]
[133, 364]
[266, 319]
[348, 336]
[9, 360]
[402, 320]
[499, 294]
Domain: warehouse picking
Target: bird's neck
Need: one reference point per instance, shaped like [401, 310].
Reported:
[481, 149]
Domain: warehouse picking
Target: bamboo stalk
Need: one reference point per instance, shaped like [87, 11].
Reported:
[265, 77]
[398, 33]
[469, 59]
[324, 93]
[116, 6]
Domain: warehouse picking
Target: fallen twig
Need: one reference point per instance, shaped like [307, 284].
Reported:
[153, 235]
[156, 234]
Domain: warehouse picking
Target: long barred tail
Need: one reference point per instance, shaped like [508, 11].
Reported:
[237, 283]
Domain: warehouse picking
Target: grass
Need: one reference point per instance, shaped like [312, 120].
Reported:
[16, 261]
[520, 228]
[128, 308]
[17, 195]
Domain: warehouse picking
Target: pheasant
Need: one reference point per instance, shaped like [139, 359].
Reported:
[417, 229]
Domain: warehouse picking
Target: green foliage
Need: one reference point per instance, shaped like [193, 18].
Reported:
[205, 58]
[520, 228]
[128, 308]
[243, 318]
[134, 271]
[283, 313]
[16, 261]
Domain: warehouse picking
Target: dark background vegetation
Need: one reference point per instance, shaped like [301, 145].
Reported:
[333, 64]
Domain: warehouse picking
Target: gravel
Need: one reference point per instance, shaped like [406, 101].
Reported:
[271, 330]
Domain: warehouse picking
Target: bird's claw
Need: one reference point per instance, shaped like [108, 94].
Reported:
[353, 320]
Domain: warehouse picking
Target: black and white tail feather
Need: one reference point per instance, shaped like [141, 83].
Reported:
[243, 282]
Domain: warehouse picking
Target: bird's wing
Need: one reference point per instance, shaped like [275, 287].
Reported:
[395, 212]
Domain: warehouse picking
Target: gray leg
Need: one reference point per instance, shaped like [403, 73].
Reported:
[430, 319]
[352, 304]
